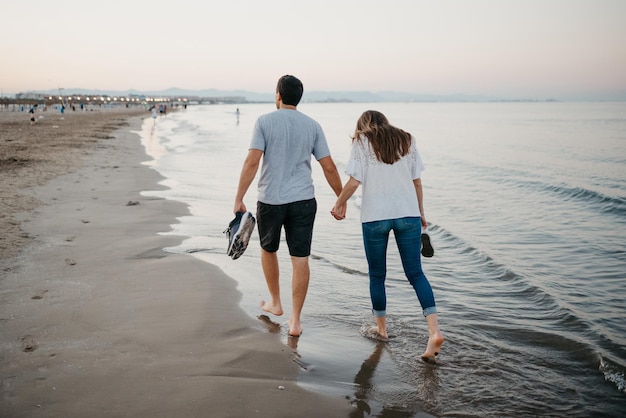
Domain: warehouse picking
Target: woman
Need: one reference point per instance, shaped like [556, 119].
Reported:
[385, 161]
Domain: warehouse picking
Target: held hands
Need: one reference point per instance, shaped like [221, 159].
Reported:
[339, 212]
[341, 205]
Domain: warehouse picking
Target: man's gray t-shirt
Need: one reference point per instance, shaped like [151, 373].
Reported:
[287, 138]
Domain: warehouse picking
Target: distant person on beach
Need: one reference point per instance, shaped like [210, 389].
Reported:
[385, 161]
[285, 139]
[32, 117]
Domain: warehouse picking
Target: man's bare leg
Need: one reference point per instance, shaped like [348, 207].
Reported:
[435, 338]
[300, 286]
[269, 262]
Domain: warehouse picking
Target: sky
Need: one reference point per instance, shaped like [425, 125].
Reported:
[506, 48]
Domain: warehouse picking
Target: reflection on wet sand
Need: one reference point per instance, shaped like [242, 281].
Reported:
[364, 387]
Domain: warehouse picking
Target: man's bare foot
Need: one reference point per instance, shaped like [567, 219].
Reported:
[270, 308]
[295, 329]
[432, 349]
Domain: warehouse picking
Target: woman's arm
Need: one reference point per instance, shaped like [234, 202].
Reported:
[339, 210]
[420, 199]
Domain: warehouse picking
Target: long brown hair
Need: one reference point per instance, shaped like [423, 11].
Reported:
[388, 142]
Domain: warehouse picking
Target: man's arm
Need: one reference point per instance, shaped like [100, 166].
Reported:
[331, 174]
[248, 172]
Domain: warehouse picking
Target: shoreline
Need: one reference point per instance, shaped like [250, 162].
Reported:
[98, 320]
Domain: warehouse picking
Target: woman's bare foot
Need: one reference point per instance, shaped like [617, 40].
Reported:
[270, 308]
[432, 349]
[374, 334]
[381, 328]
[381, 334]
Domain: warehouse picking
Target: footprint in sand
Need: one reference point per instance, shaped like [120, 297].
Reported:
[40, 295]
[272, 326]
[28, 344]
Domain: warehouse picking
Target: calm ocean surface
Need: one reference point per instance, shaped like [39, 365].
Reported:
[527, 207]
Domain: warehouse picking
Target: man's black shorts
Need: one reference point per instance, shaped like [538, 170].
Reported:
[296, 217]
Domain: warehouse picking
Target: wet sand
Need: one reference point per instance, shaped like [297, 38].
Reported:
[95, 318]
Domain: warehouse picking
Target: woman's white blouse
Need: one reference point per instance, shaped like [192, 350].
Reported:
[388, 191]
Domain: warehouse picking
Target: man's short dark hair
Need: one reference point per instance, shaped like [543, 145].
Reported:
[290, 89]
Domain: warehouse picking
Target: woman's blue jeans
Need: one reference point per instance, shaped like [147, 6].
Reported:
[408, 234]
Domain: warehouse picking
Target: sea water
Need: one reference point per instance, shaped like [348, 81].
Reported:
[527, 210]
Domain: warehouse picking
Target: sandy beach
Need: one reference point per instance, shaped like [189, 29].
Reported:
[95, 318]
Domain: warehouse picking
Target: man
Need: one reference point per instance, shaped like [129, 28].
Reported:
[286, 139]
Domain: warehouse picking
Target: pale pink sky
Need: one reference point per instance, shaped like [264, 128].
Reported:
[507, 48]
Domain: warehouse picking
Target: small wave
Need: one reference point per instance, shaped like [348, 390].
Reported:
[613, 374]
[610, 204]
[615, 205]
[182, 250]
[200, 250]
[514, 289]
[344, 269]
[495, 269]
[185, 126]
